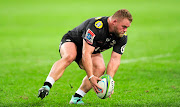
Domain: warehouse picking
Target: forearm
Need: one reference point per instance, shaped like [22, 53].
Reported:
[112, 67]
[87, 63]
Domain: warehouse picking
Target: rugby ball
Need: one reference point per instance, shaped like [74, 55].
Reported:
[107, 84]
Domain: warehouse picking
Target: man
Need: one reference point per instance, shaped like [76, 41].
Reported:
[84, 45]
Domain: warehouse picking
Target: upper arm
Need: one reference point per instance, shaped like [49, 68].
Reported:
[92, 34]
[87, 49]
[89, 36]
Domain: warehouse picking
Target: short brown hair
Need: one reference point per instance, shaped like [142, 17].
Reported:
[123, 13]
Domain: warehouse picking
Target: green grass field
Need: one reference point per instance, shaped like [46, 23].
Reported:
[30, 33]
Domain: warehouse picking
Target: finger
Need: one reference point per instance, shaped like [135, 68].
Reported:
[98, 86]
[99, 90]
[111, 93]
[99, 79]
[95, 89]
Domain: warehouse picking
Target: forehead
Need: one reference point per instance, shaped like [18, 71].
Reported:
[125, 22]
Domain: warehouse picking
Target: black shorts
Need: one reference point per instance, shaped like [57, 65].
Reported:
[67, 38]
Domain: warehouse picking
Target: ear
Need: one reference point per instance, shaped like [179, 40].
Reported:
[114, 21]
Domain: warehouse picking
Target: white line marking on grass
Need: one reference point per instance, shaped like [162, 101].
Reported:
[144, 58]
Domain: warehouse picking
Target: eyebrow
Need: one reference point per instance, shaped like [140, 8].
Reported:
[124, 26]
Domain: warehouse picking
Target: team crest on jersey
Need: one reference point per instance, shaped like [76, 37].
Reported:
[99, 24]
[89, 36]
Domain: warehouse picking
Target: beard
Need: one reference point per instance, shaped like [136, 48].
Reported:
[118, 34]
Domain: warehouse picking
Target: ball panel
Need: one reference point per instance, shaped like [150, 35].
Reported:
[103, 85]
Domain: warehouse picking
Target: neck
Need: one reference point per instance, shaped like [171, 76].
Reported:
[110, 24]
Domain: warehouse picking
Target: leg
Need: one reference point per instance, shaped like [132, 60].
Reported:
[98, 70]
[68, 51]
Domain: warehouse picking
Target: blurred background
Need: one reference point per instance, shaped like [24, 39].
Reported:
[30, 33]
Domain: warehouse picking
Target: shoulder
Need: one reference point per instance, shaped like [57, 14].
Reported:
[98, 22]
[95, 30]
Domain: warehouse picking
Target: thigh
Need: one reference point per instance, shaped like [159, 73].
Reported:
[68, 49]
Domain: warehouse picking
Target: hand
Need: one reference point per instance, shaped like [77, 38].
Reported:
[111, 94]
[94, 84]
[112, 91]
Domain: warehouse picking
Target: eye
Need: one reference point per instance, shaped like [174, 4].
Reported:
[124, 26]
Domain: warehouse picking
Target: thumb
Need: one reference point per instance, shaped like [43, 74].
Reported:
[99, 79]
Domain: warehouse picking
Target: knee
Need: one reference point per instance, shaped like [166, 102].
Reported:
[100, 70]
[69, 58]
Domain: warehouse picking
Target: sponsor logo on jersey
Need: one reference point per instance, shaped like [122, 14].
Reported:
[99, 49]
[89, 36]
[108, 39]
[99, 24]
[113, 43]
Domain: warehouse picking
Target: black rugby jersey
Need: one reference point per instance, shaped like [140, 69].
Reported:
[95, 32]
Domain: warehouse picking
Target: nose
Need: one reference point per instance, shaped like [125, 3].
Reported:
[125, 29]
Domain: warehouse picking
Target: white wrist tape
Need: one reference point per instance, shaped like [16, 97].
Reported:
[91, 77]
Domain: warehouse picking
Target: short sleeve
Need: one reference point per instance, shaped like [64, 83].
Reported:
[91, 34]
[119, 47]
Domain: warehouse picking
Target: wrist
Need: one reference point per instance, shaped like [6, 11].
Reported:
[91, 77]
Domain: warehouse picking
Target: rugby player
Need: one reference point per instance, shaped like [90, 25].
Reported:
[84, 45]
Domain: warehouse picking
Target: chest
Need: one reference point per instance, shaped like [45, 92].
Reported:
[105, 43]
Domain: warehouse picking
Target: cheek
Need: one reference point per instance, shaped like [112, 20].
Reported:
[120, 28]
[115, 28]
